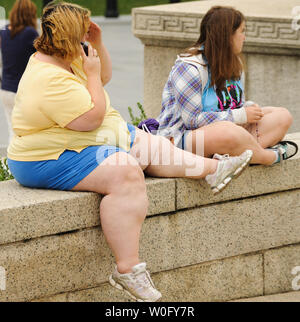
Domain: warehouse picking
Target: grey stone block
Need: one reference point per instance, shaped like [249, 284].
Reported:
[50, 265]
[29, 213]
[216, 281]
[278, 268]
[282, 297]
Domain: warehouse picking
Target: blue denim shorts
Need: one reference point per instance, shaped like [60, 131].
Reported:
[65, 172]
[182, 143]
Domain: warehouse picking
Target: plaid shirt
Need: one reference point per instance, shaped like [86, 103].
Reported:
[182, 103]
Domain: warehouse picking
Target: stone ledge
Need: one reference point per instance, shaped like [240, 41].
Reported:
[268, 24]
[257, 180]
[29, 213]
[279, 264]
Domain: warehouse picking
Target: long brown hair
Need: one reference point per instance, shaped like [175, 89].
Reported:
[22, 14]
[63, 26]
[216, 31]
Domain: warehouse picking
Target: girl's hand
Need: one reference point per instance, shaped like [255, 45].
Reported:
[94, 35]
[91, 63]
[254, 113]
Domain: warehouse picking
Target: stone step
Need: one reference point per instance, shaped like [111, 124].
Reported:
[282, 297]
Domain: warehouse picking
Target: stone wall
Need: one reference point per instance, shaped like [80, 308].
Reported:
[241, 243]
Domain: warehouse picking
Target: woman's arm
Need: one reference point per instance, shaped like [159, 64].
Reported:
[106, 70]
[95, 39]
[92, 119]
[188, 93]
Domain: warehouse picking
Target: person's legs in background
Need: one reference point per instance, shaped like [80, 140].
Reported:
[8, 101]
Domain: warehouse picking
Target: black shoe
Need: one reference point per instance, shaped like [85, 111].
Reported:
[286, 149]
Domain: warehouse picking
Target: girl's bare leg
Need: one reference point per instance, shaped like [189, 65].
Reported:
[273, 126]
[227, 137]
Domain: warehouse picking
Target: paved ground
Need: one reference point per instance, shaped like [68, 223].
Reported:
[126, 86]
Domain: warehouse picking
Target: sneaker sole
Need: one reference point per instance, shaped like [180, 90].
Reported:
[236, 174]
[121, 288]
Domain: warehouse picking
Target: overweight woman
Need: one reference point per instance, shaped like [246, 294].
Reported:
[68, 137]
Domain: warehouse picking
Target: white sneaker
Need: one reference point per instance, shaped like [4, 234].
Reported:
[228, 168]
[137, 284]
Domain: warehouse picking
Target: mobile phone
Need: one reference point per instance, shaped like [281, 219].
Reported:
[85, 48]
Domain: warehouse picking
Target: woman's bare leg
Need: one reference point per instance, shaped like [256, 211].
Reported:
[123, 208]
[227, 137]
[158, 157]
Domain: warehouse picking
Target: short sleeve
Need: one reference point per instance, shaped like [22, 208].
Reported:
[65, 99]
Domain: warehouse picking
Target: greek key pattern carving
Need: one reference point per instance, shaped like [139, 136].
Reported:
[275, 32]
[269, 30]
[167, 23]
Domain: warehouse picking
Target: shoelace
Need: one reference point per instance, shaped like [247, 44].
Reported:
[222, 157]
[143, 279]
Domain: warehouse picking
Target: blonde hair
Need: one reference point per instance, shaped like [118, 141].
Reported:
[22, 14]
[63, 27]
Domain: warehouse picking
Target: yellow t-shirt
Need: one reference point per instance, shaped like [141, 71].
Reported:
[49, 98]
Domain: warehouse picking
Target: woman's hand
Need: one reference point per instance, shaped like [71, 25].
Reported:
[94, 35]
[254, 113]
[91, 63]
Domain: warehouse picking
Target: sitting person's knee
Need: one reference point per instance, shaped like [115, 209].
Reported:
[287, 118]
[232, 135]
[132, 176]
[284, 118]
